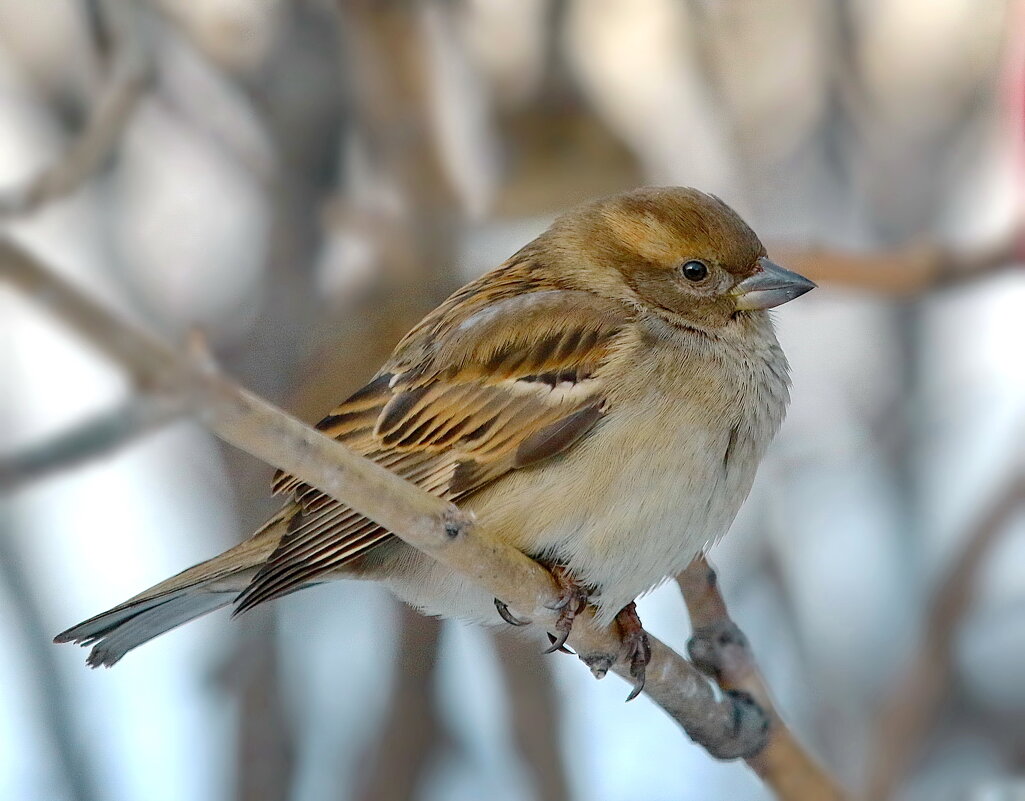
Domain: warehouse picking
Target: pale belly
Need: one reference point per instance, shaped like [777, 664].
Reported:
[661, 477]
[623, 510]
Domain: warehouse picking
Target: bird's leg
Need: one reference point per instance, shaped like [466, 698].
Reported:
[635, 642]
[572, 600]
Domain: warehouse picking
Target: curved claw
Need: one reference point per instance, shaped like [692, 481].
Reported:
[638, 648]
[507, 616]
[562, 649]
[572, 599]
[559, 643]
[638, 674]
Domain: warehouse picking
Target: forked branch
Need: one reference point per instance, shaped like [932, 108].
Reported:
[720, 649]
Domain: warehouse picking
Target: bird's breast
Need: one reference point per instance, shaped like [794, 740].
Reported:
[661, 476]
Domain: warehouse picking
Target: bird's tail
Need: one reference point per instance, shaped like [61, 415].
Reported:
[181, 598]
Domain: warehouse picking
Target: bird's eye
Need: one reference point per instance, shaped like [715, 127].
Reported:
[694, 270]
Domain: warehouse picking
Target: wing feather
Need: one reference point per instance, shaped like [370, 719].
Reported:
[461, 403]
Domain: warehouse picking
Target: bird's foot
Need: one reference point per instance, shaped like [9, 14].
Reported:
[635, 643]
[572, 600]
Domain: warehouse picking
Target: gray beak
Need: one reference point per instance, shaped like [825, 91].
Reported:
[770, 286]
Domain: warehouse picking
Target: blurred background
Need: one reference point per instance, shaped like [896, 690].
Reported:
[302, 180]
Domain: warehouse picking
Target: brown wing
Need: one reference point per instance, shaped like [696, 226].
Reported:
[458, 405]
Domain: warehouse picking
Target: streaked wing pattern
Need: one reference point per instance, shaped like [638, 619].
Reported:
[459, 405]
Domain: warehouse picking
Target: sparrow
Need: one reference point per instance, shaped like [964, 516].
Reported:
[600, 401]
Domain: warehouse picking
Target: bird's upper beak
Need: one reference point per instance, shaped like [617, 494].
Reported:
[770, 286]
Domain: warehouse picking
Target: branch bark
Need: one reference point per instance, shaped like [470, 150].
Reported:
[720, 649]
[726, 727]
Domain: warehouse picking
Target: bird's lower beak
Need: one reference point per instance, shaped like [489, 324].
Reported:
[770, 286]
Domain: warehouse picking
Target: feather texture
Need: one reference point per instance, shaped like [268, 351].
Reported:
[467, 399]
[590, 400]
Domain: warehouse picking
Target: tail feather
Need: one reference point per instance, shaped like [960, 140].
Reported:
[114, 634]
[181, 598]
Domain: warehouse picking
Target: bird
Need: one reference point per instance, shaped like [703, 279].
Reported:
[600, 401]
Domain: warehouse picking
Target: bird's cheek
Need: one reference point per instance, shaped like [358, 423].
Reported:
[658, 290]
[692, 309]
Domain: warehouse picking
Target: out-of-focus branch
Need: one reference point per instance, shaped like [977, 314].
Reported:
[64, 725]
[411, 733]
[266, 753]
[534, 709]
[129, 74]
[727, 727]
[414, 252]
[720, 649]
[905, 715]
[98, 436]
[904, 272]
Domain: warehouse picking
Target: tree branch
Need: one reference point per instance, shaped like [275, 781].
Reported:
[907, 271]
[129, 74]
[726, 727]
[535, 712]
[720, 649]
[98, 436]
[413, 734]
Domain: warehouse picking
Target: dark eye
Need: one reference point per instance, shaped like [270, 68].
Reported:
[694, 270]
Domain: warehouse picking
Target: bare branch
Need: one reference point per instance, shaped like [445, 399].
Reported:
[904, 272]
[98, 436]
[721, 650]
[725, 727]
[129, 75]
[905, 715]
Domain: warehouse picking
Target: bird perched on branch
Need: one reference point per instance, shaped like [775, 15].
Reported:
[600, 401]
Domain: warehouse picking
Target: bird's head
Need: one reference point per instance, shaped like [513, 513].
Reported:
[676, 251]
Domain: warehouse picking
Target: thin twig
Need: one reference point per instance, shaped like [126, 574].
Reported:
[905, 716]
[98, 436]
[130, 73]
[721, 650]
[904, 272]
[726, 727]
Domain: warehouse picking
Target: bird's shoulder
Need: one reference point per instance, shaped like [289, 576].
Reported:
[502, 375]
